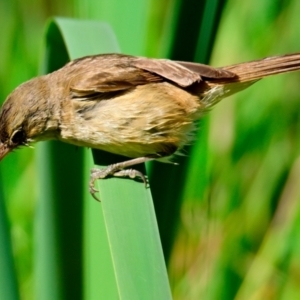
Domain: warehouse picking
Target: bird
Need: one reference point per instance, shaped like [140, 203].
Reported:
[142, 108]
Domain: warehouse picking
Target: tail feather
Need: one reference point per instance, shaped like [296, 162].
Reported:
[255, 70]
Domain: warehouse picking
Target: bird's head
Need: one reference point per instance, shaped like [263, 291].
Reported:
[24, 116]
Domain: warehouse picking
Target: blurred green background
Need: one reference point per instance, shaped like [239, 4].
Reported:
[238, 238]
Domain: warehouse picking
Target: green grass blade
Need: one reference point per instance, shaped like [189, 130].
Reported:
[128, 216]
[128, 19]
[58, 235]
[199, 19]
[8, 281]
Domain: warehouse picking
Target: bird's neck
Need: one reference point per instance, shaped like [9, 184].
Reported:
[46, 123]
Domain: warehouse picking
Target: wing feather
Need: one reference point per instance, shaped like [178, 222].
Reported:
[117, 72]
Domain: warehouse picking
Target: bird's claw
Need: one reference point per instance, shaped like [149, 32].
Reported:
[132, 173]
[118, 170]
[92, 189]
[112, 170]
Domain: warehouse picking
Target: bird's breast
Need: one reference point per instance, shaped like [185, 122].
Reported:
[150, 119]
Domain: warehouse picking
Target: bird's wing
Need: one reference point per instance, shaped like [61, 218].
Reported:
[107, 73]
[116, 72]
[207, 72]
[182, 73]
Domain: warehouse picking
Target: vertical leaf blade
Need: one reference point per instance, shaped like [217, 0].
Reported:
[128, 224]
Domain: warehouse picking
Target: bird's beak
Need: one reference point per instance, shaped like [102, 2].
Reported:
[4, 150]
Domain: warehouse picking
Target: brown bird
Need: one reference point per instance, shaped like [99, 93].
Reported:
[138, 107]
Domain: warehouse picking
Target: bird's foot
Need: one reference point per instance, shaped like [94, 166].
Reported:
[117, 170]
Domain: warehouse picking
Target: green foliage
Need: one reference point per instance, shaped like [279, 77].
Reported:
[238, 226]
[240, 241]
[131, 249]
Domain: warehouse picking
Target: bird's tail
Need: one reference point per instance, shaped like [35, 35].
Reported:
[246, 74]
[257, 69]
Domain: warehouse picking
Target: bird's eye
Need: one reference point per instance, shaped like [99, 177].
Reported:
[18, 137]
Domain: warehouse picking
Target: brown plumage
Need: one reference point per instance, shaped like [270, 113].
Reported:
[137, 107]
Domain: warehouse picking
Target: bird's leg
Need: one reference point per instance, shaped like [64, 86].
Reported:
[117, 170]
